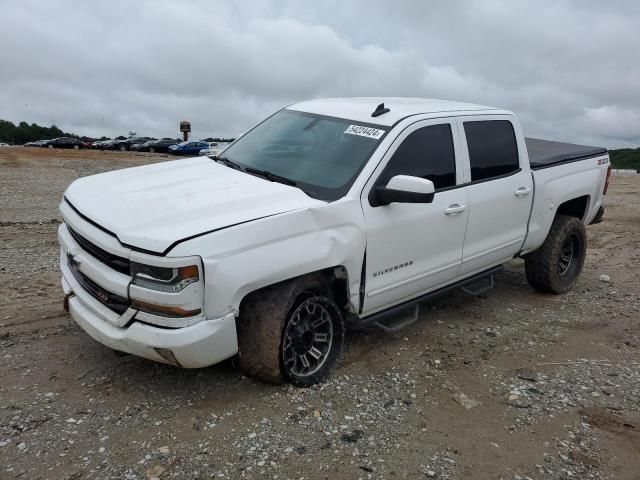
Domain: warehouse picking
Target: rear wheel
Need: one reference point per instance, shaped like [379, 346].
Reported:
[557, 264]
[291, 331]
[151, 149]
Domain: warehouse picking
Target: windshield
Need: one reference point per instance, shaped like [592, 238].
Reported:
[323, 155]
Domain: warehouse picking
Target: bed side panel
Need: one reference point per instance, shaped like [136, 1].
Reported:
[556, 185]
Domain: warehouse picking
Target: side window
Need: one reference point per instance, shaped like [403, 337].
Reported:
[492, 148]
[426, 153]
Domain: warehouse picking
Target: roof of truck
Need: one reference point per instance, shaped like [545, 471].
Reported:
[361, 108]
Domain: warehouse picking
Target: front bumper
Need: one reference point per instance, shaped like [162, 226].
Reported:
[203, 344]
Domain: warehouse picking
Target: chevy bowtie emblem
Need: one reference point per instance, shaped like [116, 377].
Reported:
[102, 296]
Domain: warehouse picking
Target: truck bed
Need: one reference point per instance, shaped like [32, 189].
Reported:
[545, 153]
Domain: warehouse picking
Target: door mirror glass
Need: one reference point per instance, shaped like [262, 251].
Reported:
[404, 189]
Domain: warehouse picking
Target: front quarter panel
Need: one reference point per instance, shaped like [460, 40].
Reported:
[247, 257]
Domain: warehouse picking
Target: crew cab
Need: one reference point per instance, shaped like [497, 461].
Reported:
[328, 215]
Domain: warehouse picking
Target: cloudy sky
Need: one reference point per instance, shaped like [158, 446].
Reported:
[569, 69]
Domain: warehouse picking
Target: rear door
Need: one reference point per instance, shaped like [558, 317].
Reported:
[500, 189]
[413, 248]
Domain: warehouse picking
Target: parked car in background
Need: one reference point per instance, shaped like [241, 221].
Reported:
[188, 148]
[107, 144]
[161, 145]
[127, 143]
[37, 143]
[65, 142]
[99, 144]
[214, 149]
[4, 144]
[140, 147]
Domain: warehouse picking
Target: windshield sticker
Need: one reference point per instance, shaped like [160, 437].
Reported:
[364, 131]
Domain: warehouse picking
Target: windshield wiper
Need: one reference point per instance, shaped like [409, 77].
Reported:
[270, 176]
[254, 171]
[227, 162]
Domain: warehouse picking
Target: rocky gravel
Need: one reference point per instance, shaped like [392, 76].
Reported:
[507, 385]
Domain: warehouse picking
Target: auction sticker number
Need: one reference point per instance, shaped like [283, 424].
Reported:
[364, 131]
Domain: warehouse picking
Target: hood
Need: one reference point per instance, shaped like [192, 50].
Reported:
[154, 206]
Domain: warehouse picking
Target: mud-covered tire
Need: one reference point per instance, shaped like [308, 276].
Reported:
[557, 264]
[264, 316]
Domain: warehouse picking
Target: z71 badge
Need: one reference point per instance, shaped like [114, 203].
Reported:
[603, 161]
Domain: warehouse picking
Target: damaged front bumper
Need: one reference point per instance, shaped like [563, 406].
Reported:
[203, 344]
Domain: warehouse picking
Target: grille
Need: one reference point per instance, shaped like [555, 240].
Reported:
[110, 300]
[119, 264]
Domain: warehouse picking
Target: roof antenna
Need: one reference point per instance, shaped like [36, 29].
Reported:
[380, 110]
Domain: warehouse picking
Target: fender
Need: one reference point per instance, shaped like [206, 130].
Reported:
[290, 245]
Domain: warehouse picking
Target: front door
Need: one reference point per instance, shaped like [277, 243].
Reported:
[414, 248]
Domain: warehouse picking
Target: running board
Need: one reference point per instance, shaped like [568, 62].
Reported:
[480, 290]
[390, 327]
[384, 320]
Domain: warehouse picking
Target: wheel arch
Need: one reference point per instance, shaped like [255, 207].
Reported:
[576, 207]
[336, 278]
[545, 212]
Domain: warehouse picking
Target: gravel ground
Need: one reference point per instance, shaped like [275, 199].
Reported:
[509, 385]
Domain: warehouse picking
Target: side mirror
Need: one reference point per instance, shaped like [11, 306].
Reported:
[403, 189]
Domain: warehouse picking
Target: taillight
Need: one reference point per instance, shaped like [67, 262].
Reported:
[606, 183]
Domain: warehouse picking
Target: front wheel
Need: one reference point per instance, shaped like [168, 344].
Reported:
[151, 149]
[291, 331]
[123, 148]
[557, 264]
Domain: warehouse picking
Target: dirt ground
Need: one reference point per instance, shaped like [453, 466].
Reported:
[509, 385]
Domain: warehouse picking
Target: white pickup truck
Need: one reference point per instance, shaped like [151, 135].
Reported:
[328, 215]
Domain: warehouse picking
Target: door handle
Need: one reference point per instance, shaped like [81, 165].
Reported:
[522, 191]
[455, 208]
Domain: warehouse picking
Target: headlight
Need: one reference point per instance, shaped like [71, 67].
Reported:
[163, 279]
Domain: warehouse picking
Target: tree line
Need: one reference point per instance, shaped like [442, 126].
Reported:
[625, 158]
[23, 132]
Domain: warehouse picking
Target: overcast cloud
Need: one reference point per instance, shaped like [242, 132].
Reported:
[569, 69]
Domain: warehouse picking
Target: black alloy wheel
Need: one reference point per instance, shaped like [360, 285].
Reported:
[307, 338]
[569, 252]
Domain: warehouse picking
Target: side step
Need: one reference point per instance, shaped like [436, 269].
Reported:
[481, 289]
[392, 319]
[389, 326]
